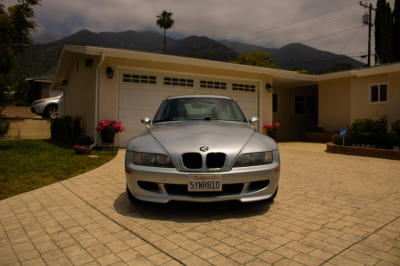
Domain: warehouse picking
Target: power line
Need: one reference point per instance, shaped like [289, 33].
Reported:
[349, 41]
[323, 36]
[293, 22]
[307, 26]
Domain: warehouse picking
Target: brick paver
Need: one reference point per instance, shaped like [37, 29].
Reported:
[331, 209]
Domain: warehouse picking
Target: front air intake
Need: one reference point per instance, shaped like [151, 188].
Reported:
[215, 160]
[192, 160]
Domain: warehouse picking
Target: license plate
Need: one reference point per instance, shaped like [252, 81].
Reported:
[200, 183]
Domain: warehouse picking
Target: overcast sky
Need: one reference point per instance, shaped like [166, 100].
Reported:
[254, 21]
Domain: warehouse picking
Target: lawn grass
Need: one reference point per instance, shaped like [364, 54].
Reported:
[26, 165]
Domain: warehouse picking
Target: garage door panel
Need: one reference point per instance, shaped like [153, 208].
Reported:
[137, 101]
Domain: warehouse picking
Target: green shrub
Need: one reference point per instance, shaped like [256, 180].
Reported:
[396, 132]
[66, 129]
[347, 140]
[365, 131]
[396, 128]
[316, 128]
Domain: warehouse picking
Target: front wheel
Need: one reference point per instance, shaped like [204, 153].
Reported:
[52, 112]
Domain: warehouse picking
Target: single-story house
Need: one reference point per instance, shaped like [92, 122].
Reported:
[46, 90]
[125, 85]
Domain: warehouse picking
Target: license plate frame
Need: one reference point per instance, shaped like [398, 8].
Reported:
[205, 183]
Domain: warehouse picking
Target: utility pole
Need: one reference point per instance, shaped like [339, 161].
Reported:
[369, 23]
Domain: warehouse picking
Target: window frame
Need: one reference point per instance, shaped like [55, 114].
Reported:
[379, 93]
[179, 78]
[140, 74]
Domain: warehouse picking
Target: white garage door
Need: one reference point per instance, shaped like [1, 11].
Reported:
[141, 93]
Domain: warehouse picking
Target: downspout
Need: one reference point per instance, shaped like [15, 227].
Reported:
[96, 104]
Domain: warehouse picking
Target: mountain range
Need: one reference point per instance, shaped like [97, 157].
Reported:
[42, 58]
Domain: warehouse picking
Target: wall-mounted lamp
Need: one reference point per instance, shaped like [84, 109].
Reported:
[269, 87]
[110, 72]
[89, 62]
[65, 82]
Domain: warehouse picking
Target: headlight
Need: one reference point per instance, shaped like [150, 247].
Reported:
[251, 159]
[152, 159]
[38, 102]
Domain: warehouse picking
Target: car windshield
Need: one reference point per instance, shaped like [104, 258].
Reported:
[198, 108]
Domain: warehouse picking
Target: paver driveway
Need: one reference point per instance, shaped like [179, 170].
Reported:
[331, 209]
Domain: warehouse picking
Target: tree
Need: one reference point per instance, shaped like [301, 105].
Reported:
[164, 21]
[384, 32]
[16, 24]
[257, 58]
[396, 31]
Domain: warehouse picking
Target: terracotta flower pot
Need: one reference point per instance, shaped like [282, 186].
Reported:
[107, 136]
[79, 149]
[272, 134]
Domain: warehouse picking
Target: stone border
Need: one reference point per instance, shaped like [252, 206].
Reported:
[368, 152]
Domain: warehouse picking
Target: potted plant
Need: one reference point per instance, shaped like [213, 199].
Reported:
[108, 128]
[272, 130]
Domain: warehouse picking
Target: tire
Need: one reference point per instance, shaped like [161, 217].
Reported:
[130, 196]
[52, 111]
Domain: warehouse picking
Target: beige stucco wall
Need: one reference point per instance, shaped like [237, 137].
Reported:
[108, 96]
[80, 92]
[28, 129]
[360, 98]
[334, 104]
[393, 105]
[293, 125]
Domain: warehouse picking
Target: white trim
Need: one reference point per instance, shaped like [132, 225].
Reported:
[96, 104]
[379, 94]
[129, 54]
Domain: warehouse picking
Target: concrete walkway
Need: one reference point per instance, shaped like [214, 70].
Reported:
[331, 210]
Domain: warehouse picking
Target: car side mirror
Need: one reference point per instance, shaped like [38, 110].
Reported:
[253, 120]
[146, 121]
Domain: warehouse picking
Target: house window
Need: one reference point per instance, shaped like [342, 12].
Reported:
[305, 105]
[212, 84]
[243, 87]
[178, 82]
[378, 93]
[275, 103]
[142, 79]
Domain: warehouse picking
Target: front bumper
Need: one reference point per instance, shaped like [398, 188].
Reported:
[36, 109]
[164, 184]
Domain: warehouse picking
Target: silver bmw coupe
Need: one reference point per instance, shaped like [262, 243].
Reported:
[203, 149]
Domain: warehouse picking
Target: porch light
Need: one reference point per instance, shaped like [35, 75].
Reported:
[110, 72]
[269, 87]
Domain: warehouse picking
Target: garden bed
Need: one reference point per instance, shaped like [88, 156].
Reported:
[359, 151]
[320, 137]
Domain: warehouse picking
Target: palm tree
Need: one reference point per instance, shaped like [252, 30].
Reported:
[164, 21]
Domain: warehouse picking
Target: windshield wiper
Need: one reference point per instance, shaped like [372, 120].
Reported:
[163, 120]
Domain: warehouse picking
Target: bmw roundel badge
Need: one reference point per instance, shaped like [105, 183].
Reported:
[204, 148]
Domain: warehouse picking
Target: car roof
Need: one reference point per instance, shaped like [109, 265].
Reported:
[199, 96]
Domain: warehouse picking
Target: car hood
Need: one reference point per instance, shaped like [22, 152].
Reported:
[189, 136]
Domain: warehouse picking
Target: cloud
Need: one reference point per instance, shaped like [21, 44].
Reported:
[221, 19]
